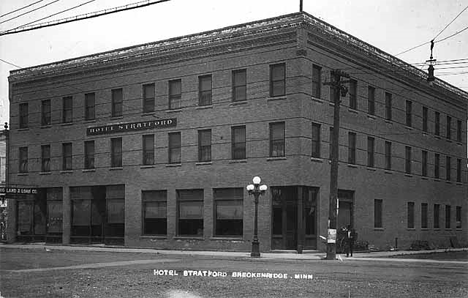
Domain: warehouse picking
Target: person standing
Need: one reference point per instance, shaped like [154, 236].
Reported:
[350, 238]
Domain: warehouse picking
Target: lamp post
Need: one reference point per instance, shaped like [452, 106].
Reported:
[256, 190]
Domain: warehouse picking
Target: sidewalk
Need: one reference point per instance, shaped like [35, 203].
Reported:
[308, 255]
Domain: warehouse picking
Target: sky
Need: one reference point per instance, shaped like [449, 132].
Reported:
[390, 25]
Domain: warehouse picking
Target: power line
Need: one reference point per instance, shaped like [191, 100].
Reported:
[450, 23]
[74, 7]
[82, 17]
[456, 33]
[29, 11]
[20, 8]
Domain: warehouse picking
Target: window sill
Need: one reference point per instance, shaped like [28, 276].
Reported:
[371, 169]
[227, 238]
[156, 237]
[66, 172]
[437, 137]
[45, 173]
[350, 165]
[425, 133]
[436, 229]
[388, 171]
[88, 170]
[188, 238]
[408, 175]
[276, 158]
[388, 121]
[370, 116]
[116, 169]
[116, 117]
[238, 161]
[316, 99]
[331, 103]
[90, 121]
[458, 229]
[353, 111]
[204, 107]
[283, 97]
[316, 159]
[437, 180]
[174, 110]
[204, 163]
[424, 178]
[449, 140]
[146, 166]
[66, 124]
[411, 229]
[149, 113]
[173, 165]
[379, 229]
[46, 126]
[459, 143]
[459, 183]
[409, 127]
[448, 182]
[23, 174]
[238, 103]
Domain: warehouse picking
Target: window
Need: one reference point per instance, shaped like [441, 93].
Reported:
[148, 98]
[353, 94]
[334, 92]
[424, 163]
[437, 123]
[238, 149]
[458, 218]
[239, 85]
[23, 159]
[410, 215]
[89, 155]
[154, 212]
[117, 102]
[388, 106]
[459, 168]
[228, 208]
[448, 168]
[351, 148]
[436, 216]
[423, 215]
[437, 166]
[174, 147]
[90, 106]
[175, 94]
[409, 108]
[447, 216]
[204, 145]
[371, 100]
[388, 155]
[316, 140]
[116, 152]
[425, 119]
[407, 160]
[67, 109]
[277, 139]
[148, 150]
[378, 213]
[459, 131]
[45, 158]
[449, 127]
[316, 81]
[46, 113]
[66, 156]
[370, 151]
[204, 90]
[190, 213]
[23, 115]
[278, 80]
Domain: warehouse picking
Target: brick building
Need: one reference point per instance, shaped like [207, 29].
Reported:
[153, 145]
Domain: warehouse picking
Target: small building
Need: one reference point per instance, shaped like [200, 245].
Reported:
[153, 145]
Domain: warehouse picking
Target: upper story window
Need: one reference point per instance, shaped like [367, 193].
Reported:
[23, 159]
[448, 168]
[67, 156]
[388, 106]
[425, 119]
[409, 115]
[116, 152]
[388, 155]
[437, 123]
[371, 100]
[175, 94]
[459, 131]
[148, 150]
[316, 81]
[90, 109]
[117, 102]
[23, 115]
[436, 165]
[204, 145]
[45, 158]
[352, 148]
[424, 163]
[45, 112]
[370, 151]
[238, 135]
[449, 127]
[67, 109]
[408, 160]
[174, 147]
[205, 90]
[89, 155]
[148, 98]
[277, 80]
[277, 139]
[353, 94]
[239, 85]
[316, 140]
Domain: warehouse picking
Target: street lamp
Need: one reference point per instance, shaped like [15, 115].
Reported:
[256, 189]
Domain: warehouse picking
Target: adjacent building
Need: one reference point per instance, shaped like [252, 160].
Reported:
[153, 145]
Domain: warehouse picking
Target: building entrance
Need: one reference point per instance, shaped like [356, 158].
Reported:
[294, 218]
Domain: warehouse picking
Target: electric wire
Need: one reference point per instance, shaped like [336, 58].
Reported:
[28, 12]
[450, 23]
[16, 10]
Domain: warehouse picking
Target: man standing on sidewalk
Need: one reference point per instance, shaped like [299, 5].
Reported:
[351, 236]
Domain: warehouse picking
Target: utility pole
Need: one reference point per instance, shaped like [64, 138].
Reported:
[340, 90]
[300, 6]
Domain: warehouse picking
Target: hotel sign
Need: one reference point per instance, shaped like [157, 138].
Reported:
[133, 126]
[18, 191]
